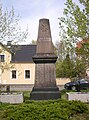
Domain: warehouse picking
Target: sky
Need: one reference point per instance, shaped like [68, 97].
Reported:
[31, 11]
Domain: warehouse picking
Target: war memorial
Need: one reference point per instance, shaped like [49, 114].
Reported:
[45, 77]
[45, 86]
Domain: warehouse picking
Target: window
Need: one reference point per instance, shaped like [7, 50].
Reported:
[27, 74]
[13, 74]
[2, 58]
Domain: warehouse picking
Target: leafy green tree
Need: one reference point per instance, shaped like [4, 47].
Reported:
[75, 22]
[60, 50]
[74, 26]
[65, 68]
[59, 69]
[83, 52]
[80, 69]
[70, 68]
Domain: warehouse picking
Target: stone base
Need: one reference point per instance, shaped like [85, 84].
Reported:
[80, 96]
[45, 93]
[13, 98]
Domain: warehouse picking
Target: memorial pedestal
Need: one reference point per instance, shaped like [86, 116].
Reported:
[45, 93]
[45, 77]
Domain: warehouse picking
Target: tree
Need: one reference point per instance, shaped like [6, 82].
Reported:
[34, 42]
[74, 26]
[10, 31]
[75, 23]
[80, 68]
[60, 50]
[9, 27]
[65, 68]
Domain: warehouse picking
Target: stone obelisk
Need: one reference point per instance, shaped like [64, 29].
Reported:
[45, 77]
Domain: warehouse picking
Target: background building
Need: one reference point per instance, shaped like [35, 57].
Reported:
[17, 69]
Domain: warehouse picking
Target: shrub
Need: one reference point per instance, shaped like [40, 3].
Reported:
[44, 110]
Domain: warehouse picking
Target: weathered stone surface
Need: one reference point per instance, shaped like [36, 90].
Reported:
[44, 41]
[81, 96]
[45, 93]
[45, 76]
[13, 98]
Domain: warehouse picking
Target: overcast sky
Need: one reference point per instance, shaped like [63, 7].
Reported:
[33, 10]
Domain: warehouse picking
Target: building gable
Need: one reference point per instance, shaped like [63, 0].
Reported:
[5, 54]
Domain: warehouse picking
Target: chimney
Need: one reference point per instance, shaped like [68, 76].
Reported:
[8, 44]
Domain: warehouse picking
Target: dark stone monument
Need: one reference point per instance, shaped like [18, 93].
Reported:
[45, 77]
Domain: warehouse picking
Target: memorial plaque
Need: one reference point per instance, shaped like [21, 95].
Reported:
[45, 77]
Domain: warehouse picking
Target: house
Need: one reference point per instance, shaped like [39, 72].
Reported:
[17, 70]
[80, 43]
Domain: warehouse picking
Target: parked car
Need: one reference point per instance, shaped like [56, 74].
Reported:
[77, 85]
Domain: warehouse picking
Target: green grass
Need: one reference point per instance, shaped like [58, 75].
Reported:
[26, 95]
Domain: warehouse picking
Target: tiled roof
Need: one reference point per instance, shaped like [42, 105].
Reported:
[23, 53]
[80, 43]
